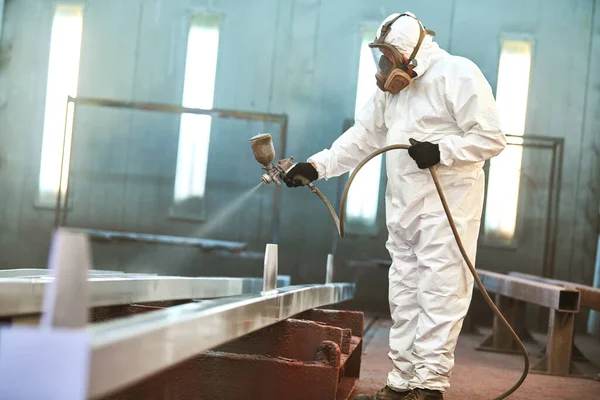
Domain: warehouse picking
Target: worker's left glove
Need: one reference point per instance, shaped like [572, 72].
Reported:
[301, 174]
[426, 154]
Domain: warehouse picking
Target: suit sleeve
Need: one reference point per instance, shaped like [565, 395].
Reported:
[469, 98]
[367, 135]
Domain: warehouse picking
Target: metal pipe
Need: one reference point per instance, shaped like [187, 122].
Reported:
[594, 319]
[559, 172]
[270, 269]
[170, 108]
[67, 187]
[24, 295]
[65, 302]
[204, 244]
[329, 269]
[547, 264]
[277, 195]
[62, 166]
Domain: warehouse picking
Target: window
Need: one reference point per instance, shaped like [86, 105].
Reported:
[363, 198]
[63, 76]
[198, 92]
[505, 170]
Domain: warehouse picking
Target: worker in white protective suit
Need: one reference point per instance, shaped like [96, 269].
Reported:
[446, 104]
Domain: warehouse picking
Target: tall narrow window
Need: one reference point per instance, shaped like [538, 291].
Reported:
[505, 170]
[63, 75]
[363, 197]
[198, 92]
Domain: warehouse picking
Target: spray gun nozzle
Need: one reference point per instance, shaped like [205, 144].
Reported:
[266, 179]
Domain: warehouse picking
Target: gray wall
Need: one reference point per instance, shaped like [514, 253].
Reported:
[298, 57]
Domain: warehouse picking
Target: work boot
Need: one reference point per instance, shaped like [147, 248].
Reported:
[424, 394]
[384, 394]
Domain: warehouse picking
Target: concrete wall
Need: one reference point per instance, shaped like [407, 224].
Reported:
[298, 57]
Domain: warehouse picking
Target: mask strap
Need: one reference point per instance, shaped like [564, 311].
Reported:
[422, 33]
[385, 30]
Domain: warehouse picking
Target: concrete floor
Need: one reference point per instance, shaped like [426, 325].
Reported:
[481, 375]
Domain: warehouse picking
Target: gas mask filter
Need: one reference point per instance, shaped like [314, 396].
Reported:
[394, 70]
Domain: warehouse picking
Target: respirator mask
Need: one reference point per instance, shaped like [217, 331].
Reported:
[394, 70]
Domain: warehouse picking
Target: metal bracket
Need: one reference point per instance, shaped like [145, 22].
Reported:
[66, 298]
[329, 269]
[270, 269]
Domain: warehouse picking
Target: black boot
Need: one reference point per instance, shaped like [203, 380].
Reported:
[384, 394]
[424, 394]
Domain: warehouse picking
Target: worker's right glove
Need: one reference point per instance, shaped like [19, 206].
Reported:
[301, 170]
[425, 154]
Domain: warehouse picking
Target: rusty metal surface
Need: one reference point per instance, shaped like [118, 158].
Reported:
[543, 294]
[120, 353]
[590, 296]
[353, 320]
[227, 376]
[294, 339]
[294, 359]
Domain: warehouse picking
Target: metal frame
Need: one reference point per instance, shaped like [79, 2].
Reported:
[281, 119]
[556, 146]
[126, 350]
[204, 244]
[120, 349]
[512, 294]
[24, 295]
[543, 294]
[590, 296]
[320, 349]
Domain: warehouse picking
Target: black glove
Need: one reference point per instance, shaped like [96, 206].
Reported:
[306, 170]
[426, 154]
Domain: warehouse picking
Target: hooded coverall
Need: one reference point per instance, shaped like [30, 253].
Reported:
[451, 104]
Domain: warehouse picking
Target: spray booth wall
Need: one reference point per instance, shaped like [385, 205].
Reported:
[298, 57]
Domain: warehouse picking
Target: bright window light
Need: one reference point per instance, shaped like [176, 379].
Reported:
[363, 197]
[198, 92]
[63, 76]
[505, 170]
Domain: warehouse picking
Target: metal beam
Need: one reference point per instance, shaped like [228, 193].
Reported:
[563, 303]
[21, 296]
[130, 349]
[204, 244]
[543, 294]
[590, 296]
[40, 272]
[171, 108]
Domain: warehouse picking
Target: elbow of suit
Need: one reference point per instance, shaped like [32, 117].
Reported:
[499, 143]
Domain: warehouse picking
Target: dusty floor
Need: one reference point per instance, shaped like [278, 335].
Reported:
[483, 376]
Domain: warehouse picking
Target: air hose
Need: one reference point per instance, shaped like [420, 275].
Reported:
[438, 186]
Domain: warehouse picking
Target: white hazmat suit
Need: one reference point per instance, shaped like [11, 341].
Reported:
[451, 104]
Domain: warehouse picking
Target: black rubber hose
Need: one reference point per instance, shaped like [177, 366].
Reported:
[486, 296]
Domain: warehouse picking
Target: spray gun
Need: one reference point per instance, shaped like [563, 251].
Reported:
[264, 153]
